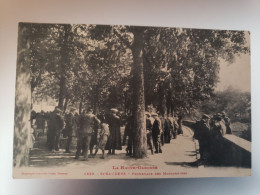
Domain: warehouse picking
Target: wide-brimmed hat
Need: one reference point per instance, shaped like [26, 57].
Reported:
[223, 113]
[219, 114]
[113, 110]
[154, 114]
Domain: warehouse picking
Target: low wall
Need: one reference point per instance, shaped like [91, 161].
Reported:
[229, 151]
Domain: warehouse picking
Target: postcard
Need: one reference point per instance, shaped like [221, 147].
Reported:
[131, 102]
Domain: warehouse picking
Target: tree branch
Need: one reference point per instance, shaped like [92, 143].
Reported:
[122, 39]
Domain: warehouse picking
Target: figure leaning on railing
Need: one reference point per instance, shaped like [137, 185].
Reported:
[202, 134]
[209, 132]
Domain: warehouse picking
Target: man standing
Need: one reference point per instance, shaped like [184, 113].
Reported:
[129, 133]
[162, 119]
[68, 131]
[40, 123]
[218, 130]
[227, 123]
[219, 127]
[202, 134]
[86, 123]
[149, 131]
[168, 126]
[174, 126]
[156, 133]
[79, 134]
[179, 121]
[55, 126]
[114, 141]
[93, 142]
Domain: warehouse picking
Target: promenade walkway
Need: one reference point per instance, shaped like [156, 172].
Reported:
[179, 159]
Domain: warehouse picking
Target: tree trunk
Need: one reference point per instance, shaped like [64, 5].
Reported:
[96, 108]
[22, 127]
[62, 92]
[80, 106]
[162, 100]
[140, 140]
[64, 63]
[66, 104]
[172, 108]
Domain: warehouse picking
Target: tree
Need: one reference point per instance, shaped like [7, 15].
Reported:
[182, 65]
[140, 146]
[235, 103]
[22, 129]
[103, 75]
[118, 66]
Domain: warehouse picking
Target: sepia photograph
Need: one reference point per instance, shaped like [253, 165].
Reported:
[129, 102]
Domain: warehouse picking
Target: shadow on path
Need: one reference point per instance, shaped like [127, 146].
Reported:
[44, 158]
[183, 164]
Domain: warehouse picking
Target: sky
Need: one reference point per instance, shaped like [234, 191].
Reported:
[238, 74]
[235, 75]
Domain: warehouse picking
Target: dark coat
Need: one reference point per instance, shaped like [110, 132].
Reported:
[114, 140]
[129, 127]
[149, 124]
[202, 131]
[168, 126]
[69, 120]
[56, 123]
[40, 121]
[228, 125]
[156, 129]
[179, 121]
[95, 132]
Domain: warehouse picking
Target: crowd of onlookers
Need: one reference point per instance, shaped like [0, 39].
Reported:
[209, 132]
[159, 130]
[102, 131]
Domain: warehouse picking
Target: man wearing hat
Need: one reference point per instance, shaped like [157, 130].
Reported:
[202, 134]
[156, 133]
[68, 131]
[168, 129]
[86, 125]
[55, 126]
[227, 122]
[162, 119]
[114, 140]
[217, 133]
[219, 127]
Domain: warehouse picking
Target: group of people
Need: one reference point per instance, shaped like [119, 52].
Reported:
[209, 132]
[159, 130]
[102, 131]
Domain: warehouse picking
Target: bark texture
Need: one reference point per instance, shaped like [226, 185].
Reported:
[140, 140]
[22, 127]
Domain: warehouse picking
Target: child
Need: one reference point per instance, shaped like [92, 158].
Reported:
[103, 137]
